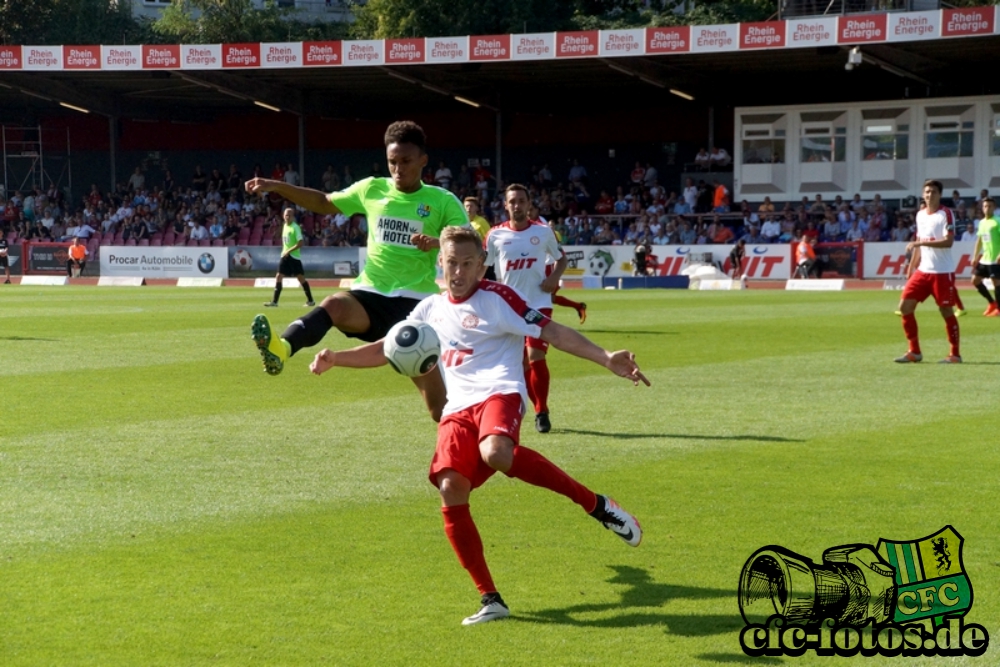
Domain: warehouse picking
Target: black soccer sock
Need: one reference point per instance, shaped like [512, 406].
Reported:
[996, 290]
[985, 292]
[309, 330]
[309, 294]
[277, 291]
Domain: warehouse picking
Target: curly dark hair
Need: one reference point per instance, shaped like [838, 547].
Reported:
[406, 132]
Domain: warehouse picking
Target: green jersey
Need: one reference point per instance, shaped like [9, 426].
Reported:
[395, 267]
[989, 239]
[291, 234]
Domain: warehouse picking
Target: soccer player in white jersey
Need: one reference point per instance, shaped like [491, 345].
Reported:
[931, 272]
[482, 325]
[518, 250]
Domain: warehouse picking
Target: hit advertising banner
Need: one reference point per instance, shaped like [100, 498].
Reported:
[765, 262]
[317, 262]
[164, 262]
[888, 261]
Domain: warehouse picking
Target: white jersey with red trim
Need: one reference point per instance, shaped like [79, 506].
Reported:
[482, 341]
[519, 258]
[935, 227]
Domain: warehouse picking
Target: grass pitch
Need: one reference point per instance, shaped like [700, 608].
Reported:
[165, 502]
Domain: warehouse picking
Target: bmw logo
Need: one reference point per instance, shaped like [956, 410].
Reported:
[206, 263]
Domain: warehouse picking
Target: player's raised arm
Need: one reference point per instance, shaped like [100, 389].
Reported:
[621, 363]
[363, 356]
[307, 198]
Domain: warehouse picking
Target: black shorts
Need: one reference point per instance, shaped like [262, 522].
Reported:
[383, 312]
[289, 266]
[4, 262]
[987, 271]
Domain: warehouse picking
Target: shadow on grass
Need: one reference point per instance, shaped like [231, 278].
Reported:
[981, 363]
[635, 608]
[737, 659]
[678, 436]
[47, 340]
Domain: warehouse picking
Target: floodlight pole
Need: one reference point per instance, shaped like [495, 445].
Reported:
[302, 149]
[112, 146]
[499, 147]
[711, 127]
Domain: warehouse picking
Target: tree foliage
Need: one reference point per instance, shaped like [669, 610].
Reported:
[379, 19]
[219, 21]
[68, 22]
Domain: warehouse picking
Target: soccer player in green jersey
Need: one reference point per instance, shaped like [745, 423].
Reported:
[986, 256]
[291, 258]
[405, 219]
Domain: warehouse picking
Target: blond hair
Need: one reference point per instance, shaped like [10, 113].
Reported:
[461, 234]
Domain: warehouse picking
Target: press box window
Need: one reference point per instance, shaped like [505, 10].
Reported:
[949, 138]
[885, 141]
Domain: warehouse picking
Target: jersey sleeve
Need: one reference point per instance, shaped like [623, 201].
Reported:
[491, 253]
[351, 200]
[297, 234]
[421, 312]
[552, 246]
[514, 315]
[453, 213]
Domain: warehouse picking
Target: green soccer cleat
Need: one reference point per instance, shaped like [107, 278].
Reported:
[272, 350]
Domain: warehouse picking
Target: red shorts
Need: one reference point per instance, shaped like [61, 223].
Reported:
[922, 285]
[538, 343]
[460, 433]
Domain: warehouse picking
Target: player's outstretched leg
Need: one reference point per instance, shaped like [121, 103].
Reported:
[617, 520]
[273, 351]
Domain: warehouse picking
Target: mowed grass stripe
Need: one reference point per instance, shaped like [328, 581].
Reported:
[299, 588]
[200, 512]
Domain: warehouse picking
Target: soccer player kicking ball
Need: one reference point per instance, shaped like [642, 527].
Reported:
[482, 326]
[986, 257]
[405, 217]
[517, 250]
[931, 272]
[291, 258]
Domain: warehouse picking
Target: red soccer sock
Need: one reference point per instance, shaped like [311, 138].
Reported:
[531, 467]
[910, 329]
[951, 326]
[464, 537]
[538, 385]
[565, 303]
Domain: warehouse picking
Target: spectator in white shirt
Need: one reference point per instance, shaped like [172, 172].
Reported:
[198, 233]
[720, 158]
[770, 230]
[291, 176]
[443, 176]
[137, 181]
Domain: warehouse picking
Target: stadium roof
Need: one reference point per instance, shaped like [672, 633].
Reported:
[741, 74]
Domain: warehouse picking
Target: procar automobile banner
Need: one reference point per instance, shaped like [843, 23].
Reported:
[164, 262]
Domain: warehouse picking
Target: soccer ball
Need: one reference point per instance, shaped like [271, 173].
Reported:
[242, 260]
[412, 348]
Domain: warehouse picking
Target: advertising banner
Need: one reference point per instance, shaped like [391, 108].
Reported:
[46, 258]
[164, 262]
[262, 262]
[14, 259]
[888, 260]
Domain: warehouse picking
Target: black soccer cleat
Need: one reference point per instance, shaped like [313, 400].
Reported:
[542, 422]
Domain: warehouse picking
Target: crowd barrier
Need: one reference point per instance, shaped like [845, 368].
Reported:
[870, 261]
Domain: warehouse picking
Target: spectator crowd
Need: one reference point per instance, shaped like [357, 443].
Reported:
[210, 208]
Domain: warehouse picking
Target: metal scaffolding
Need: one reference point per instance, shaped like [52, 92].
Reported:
[36, 157]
